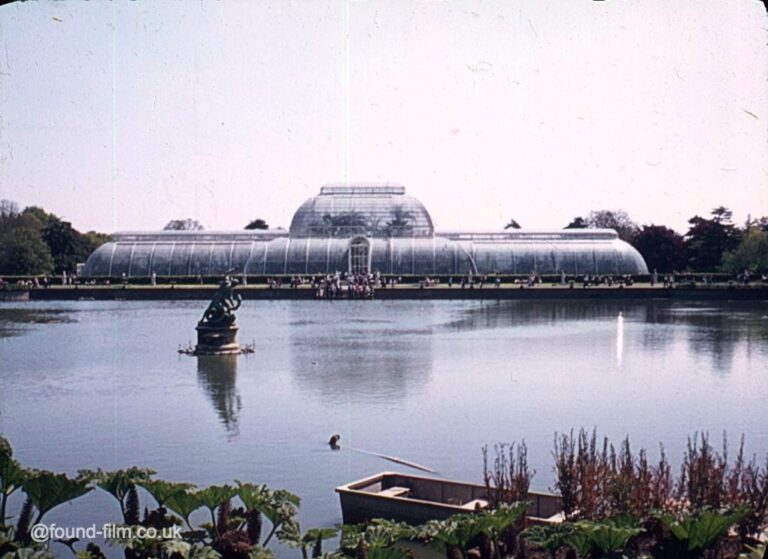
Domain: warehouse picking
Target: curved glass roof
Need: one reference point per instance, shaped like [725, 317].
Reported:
[399, 256]
[373, 210]
[393, 230]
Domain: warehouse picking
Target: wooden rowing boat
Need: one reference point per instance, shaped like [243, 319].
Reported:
[417, 499]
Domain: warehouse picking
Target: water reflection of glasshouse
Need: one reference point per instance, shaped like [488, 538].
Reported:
[363, 229]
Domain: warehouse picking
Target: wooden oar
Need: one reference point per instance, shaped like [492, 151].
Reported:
[397, 460]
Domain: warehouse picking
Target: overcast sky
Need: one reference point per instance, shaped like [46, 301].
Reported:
[124, 115]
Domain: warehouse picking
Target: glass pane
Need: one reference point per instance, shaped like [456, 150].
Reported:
[220, 259]
[180, 258]
[161, 259]
[121, 260]
[140, 259]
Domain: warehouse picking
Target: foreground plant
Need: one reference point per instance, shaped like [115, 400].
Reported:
[121, 484]
[757, 552]
[313, 538]
[452, 536]
[45, 491]
[377, 536]
[611, 536]
[551, 537]
[695, 533]
[508, 480]
[12, 476]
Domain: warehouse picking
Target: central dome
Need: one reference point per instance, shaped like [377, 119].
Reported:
[374, 210]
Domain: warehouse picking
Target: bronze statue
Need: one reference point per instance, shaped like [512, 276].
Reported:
[221, 310]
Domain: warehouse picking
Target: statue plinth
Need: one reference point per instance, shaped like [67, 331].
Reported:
[217, 331]
[216, 339]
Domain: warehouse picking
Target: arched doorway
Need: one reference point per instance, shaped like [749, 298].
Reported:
[359, 256]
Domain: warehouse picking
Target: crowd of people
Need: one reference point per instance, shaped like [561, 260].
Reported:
[337, 285]
[363, 285]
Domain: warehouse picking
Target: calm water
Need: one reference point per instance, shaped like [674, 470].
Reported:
[94, 384]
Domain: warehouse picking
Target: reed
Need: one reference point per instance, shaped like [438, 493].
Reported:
[508, 479]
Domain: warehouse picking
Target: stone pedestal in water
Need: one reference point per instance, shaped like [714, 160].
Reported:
[216, 339]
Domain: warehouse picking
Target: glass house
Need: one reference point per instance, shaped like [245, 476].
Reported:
[360, 229]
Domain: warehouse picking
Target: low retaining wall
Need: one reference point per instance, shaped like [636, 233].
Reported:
[402, 292]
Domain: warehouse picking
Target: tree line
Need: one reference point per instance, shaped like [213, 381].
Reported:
[711, 244]
[35, 242]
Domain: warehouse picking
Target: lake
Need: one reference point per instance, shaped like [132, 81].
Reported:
[100, 384]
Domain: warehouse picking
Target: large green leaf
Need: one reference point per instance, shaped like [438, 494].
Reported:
[678, 529]
[550, 537]
[280, 496]
[12, 474]
[580, 541]
[118, 482]
[702, 529]
[380, 536]
[610, 535]
[47, 490]
[213, 496]
[759, 552]
[5, 448]
[184, 503]
[253, 496]
[277, 505]
[494, 522]
[162, 490]
[707, 527]
[457, 530]
[393, 530]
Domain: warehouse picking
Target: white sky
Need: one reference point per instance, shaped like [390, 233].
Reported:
[126, 115]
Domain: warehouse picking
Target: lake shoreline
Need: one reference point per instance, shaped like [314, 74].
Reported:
[490, 292]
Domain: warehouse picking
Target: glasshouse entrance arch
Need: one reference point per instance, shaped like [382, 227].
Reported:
[359, 256]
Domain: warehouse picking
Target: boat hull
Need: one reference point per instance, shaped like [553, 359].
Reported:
[417, 499]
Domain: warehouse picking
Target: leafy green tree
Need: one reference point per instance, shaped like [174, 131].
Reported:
[37, 242]
[94, 240]
[707, 240]
[8, 208]
[750, 255]
[22, 248]
[400, 224]
[662, 248]
[618, 220]
[67, 245]
[344, 223]
[577, 223]
[183, 225]
[38, 215]
[257, 224]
